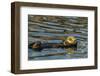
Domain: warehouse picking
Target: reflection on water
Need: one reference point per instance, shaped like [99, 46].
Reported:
[55, 29]
[70, 50]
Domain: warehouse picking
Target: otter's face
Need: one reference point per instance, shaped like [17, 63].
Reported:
[70, 41]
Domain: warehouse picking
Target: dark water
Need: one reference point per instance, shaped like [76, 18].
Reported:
[54, 29]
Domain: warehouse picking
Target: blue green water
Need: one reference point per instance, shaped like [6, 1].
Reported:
[54, 31]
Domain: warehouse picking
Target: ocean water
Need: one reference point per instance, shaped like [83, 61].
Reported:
[55, 29]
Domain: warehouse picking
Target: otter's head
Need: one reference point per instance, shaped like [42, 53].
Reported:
[71, 40]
